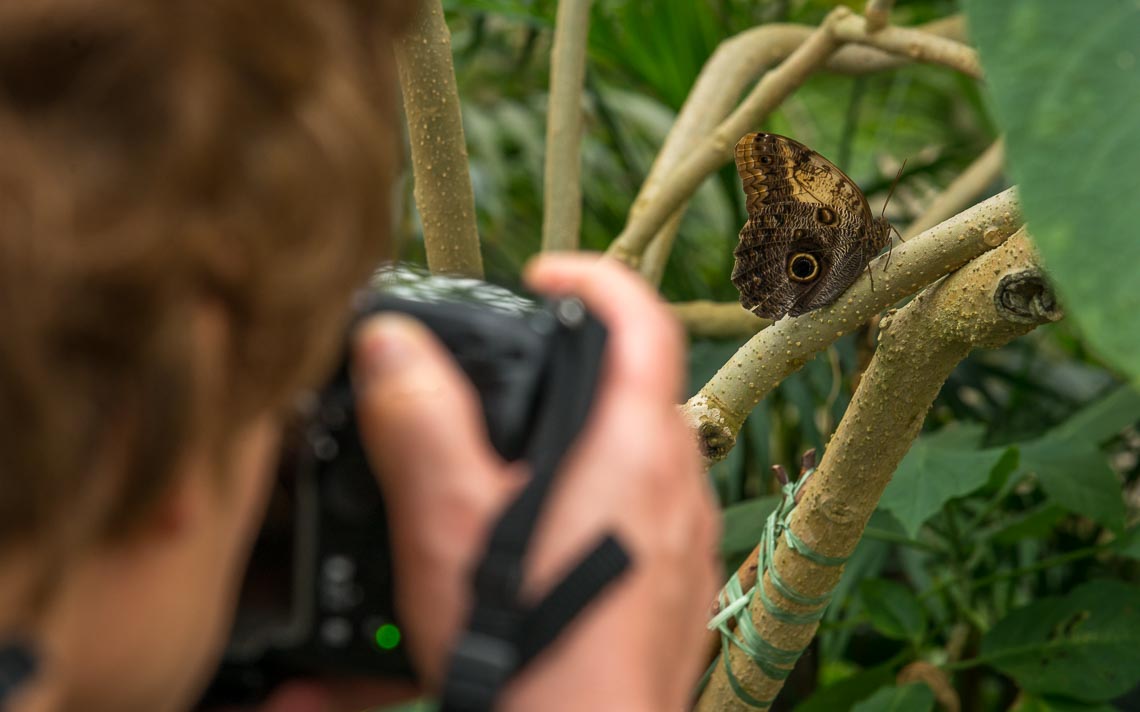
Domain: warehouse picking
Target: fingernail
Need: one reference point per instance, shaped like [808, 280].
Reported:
[387, 345]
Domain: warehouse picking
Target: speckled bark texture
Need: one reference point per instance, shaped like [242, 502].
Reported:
[443, 191]
[562, 177]
[719, 409]
[997, 297]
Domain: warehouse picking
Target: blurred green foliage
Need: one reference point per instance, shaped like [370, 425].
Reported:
[1010, 526]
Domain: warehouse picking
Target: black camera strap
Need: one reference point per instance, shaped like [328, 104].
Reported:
[503, 634]
[17, 666]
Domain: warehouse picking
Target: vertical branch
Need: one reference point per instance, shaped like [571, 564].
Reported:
[562, 185]
[439, 150]
[997, 297]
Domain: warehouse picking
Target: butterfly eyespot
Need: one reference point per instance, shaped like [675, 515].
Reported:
[803, 267]
[799, 234]
[765, 159]
[825, 216]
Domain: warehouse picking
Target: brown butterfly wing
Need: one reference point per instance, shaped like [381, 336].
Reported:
[799, 203]
[785, 229]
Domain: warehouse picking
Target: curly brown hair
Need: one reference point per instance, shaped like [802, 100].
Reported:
[156, 157]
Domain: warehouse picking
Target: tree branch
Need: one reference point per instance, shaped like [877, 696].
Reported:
[691, 163]
[909, 42]
[443, 191]
[716, 149]
[716, 319]
[562, 189]
[878, 14]
[963, 191]
[997, 297]
[719, 409]
[735, 64]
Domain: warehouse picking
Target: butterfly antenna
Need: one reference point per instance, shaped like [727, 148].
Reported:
[891, 192]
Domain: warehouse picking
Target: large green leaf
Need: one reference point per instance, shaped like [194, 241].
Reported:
[1085, 645]
[843, 695]
[1064, 80]
[744, 523]
[894, 609]
[937, 469]
[1033, 703]
[1069, 465]
[915, 697]
[1077, 477]
[1129, 543]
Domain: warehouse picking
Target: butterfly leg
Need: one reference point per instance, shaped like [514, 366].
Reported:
[871, 274]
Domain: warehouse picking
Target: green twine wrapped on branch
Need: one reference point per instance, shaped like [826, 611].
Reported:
[735, 601]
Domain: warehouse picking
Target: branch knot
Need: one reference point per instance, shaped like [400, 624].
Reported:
[1026, 297]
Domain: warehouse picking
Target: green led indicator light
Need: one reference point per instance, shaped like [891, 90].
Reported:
[387, 636]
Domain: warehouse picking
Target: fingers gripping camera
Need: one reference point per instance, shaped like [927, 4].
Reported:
[318, 596]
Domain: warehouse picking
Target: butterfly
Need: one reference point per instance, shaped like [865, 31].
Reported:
[809, 233]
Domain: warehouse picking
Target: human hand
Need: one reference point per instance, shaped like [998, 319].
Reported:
[634, 471]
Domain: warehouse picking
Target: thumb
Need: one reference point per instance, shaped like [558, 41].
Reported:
[420, 420]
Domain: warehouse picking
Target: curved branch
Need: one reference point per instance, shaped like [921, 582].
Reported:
[443, 191]
[915, 44]
[964, 189]
[716, 149]
[719, 409]
[562, 188]
[735, 64]
[716, 319]
[650, 216]
[997, 297]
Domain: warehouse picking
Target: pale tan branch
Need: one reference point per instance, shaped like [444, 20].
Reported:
[716, 149]
[562, 189]
[994, 299]
[443, 191]
[963, 191]
[912, 43]
[719, 409]
[716, 319]
[735, 64]
[878, 14]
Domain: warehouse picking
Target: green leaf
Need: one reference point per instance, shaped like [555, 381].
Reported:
[894, 609]
[842, 695]
[1129, 543]
[1033, 703]
[1101, 420]
[1077, 477]
[744, 523]
[1064, 79]
[1035, 524]
[937, 469]
[867, 561]
[915, 697]
[1085, 645]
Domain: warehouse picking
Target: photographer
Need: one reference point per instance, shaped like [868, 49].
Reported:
[190, 191]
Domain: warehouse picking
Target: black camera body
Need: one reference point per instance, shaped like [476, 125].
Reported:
[318, 595]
